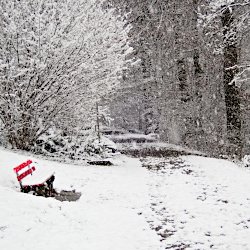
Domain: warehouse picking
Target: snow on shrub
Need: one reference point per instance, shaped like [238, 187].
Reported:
[246, 161]
[58, 144]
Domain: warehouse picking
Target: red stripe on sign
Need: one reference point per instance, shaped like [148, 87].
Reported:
[21, 166]
[24, 174]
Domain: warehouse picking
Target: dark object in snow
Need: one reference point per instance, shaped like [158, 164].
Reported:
[155, 152]
[101, 162]
[172, 163]
[113, 131]
[43, 187]
[68, 195]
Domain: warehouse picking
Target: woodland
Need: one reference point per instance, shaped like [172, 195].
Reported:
[177, 69]
[192, 83]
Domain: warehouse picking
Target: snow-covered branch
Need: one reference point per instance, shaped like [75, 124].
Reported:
[53, 54]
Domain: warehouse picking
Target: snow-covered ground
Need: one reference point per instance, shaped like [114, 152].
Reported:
[106, 216]
[199, 203]
[186, 203]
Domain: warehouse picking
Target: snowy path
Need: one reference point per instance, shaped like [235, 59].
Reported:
[199, 203]
[190, 203]
[106, 217]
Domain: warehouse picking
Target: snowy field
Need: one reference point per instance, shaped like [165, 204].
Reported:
[185, 203]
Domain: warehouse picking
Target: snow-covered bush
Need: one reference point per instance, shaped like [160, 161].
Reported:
[246, 161]
[101, 148]
[57, 59]
[58, 144]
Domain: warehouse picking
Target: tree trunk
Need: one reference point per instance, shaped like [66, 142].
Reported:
[232, 95]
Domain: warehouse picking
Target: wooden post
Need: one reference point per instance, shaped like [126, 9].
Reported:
[98, 122]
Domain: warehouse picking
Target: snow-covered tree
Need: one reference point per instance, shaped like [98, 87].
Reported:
[57, 58]
[194, 55]
[227, 25]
